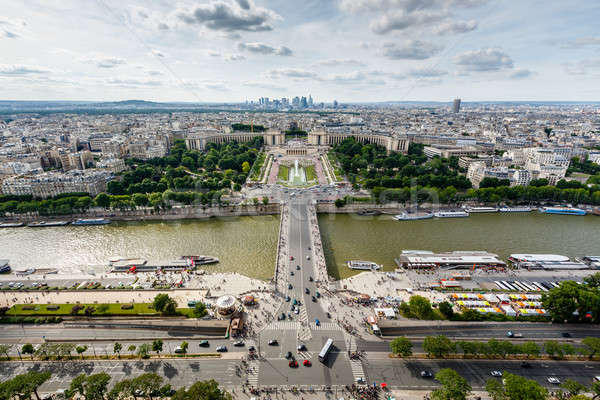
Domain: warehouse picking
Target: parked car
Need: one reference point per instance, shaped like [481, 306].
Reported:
[301, 347]
[426, 374]
[497, 374]
[221, 349]
[288, 355]
[239, 343]
[204, 343]
[273, 342]
[553, 380]
[178, 349]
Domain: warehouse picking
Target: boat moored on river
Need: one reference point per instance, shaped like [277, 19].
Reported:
[562, 210]
[451, 214]
[406, 216]
[515, 209]
[481, 209]
[91, 221]
[42, 224]
[363, 265]
[11, 225]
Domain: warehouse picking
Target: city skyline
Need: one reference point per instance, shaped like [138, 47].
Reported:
[352, 51]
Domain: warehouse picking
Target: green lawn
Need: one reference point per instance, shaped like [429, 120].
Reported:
[110, 309]
[283, 173]
[311, 173]
[255, 171]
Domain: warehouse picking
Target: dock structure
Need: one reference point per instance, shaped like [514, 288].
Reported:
[415, 259]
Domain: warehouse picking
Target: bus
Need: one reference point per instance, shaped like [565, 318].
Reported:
[325, 350]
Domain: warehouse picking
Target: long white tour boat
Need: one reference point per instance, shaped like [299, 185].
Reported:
[451, 214]
[363, 265]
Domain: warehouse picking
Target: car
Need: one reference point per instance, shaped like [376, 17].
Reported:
[328, 315]
[310, 279]
[289, 355]
[553, 380]
[292, 258]
[306, 290]
[298, 267]
[308, 257]
[289, 316]
[301, 347]
[565, 334]
[292, 273]
[295, 302]
[309, 247]
[293, 364]
[318, 294]
[314, 299]
[296, 310]
[426, 374]
[178, 349]
[251, 349]
[273, 342]
[525, 364]
[239, 343]
[290, 286]
[307, 363]
[317, 322]
[221, 349]
[287, 298]
[497, 374]
[204, 343]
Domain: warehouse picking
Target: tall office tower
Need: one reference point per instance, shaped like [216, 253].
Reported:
[303, 102]
[296, 101]
[456, 106]
[310, 101]
[335, 104]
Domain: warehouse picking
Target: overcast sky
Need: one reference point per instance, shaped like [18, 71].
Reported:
[349, 50]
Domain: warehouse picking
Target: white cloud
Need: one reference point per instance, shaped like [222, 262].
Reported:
[230, 16]
[262, 48]
[20, 69]
[336, 62]
[584, 67]
[522, 73]
[455, 27]
[158, 53]
[235, 57]
[484, 60]
[410, 50]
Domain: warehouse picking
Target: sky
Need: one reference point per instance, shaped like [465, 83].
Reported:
[348, 50]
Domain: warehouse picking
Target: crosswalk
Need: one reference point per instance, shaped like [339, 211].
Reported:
[305, 355]
[253, 367]
[357, 371]
[325, 326]
[283, 325]
[303, 317]
[304, 333]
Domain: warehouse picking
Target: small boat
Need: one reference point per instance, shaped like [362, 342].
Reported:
[596, 211]
[363, 265]
[200, 260]
[4, 267]
[451, 214]
[562, 210]
[405, 216]
[481, 209]
[27, 271]
[368, 212]
[515, 209]
[91, 221]
[41, 224]
[11, 225]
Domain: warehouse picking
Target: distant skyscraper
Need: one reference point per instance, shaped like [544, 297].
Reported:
[456, 106]
[310, 101]
[296, 101]
[335, 104]
[303, 102]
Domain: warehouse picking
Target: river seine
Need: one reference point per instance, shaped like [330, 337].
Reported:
[381, 239]
[243, 244]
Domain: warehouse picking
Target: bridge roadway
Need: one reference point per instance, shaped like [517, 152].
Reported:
[274, 369]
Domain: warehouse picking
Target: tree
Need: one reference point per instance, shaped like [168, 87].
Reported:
[202, 390]
[592, 344]
[495, 389]
[81, 349]
[200, 309]
[164, 304]
[143, 350]
[339, 203]
[91, 387]
[265, 200]
[438, 346]
[468, 348]
[5, 349]
[117, 349]
[184, 346]
[595, 389]
[454, 386]
[530, 349]
[131, 348]
[573, 387]
[24, 385]
[148, 383]
[157, 346]
[401, 346]
[28, 349]
[553, 348]
[446, 309]
[420, 307]
[245, 167]
[102, 200]
[520, 388]
[140, 199]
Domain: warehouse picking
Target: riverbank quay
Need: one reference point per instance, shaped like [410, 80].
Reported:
[150, 214]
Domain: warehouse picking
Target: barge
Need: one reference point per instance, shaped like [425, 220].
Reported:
[91, 221]
[42, 224]
[363, 265]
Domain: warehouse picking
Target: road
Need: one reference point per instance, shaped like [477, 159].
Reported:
[407, 374]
